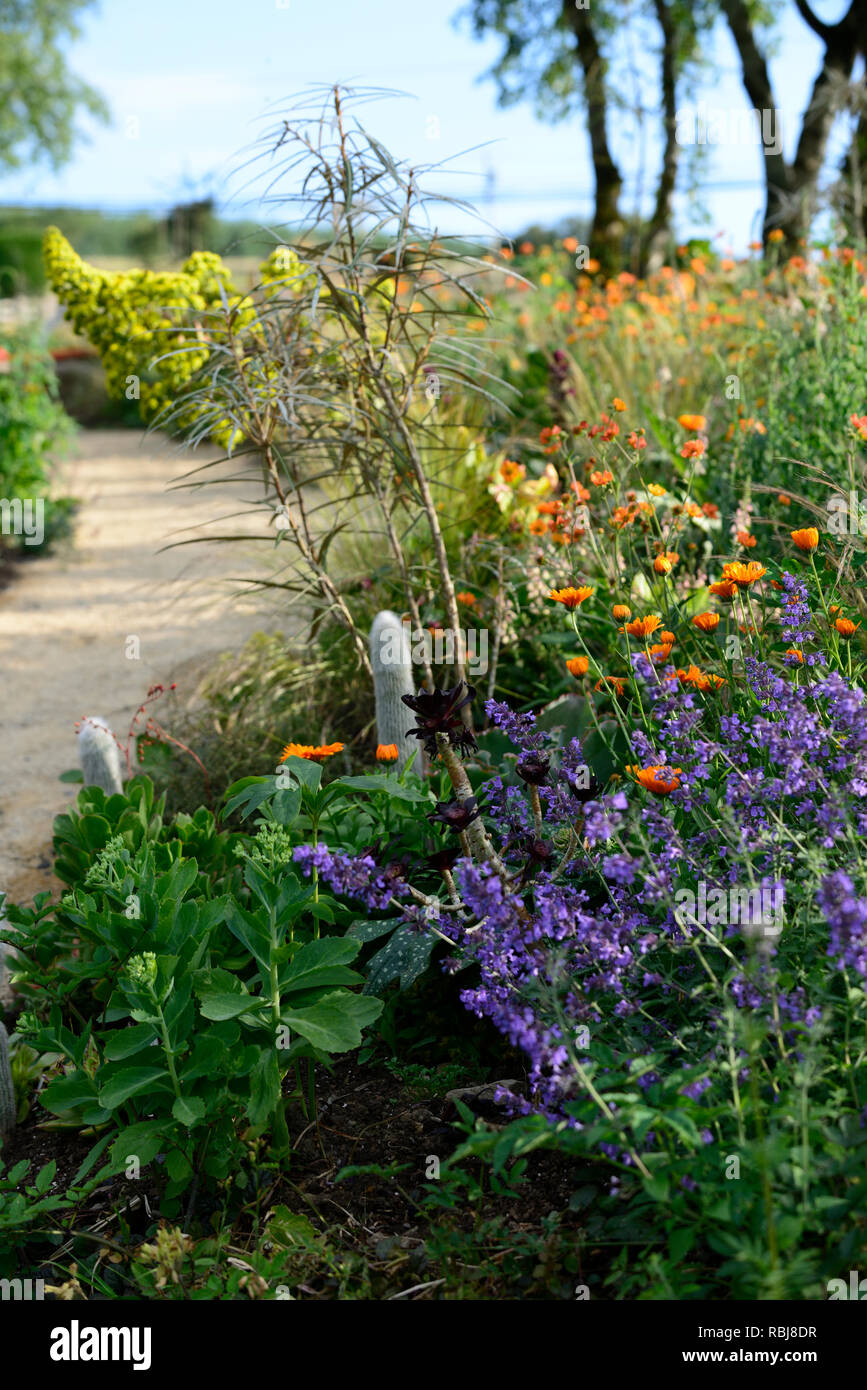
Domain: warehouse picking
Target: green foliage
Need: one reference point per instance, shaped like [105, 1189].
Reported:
[34, 429]
[21, 268]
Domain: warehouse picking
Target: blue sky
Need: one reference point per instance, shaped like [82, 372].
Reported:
[188, 82]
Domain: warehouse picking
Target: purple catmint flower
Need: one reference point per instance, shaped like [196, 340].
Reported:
[359, 877]
[517, 727]
[846, 915]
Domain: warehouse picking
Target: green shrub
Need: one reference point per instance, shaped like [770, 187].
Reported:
[21, 268]
[34, 428]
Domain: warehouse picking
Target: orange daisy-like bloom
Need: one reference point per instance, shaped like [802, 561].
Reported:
[797, 653]
[725, 590]
[784, 499]
[618, 403]
[707, 622]
[386, 752]
[745, 539]
[599, 479]
[538, 527]
[667, 637]
[552, 436]
[620, 611]
[615, 683]
[661, 651]
[512, 472]
[699, 680]
[642, 627]
[846, 627]
[743, 575]
[659, 779]
[570, 597]
[665, 563]
[692, 422]
[807, 538]
[310, 752]
[693, 449]
[465, 597]
[577, 665]
[859, 424]
[656, 489]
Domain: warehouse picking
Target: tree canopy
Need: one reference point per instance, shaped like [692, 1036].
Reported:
[40, 97]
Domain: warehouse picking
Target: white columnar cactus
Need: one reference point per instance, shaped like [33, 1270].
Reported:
[391, 659]
[7, 1088]
[99, 756]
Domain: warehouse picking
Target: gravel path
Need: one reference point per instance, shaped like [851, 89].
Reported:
[65, 622]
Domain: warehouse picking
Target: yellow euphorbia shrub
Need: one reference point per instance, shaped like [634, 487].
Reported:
[154, 330]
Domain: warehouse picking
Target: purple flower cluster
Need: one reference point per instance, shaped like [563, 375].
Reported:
[520, 728]
[846, 915]
[797, 621]
[359, 877]
[796, 757]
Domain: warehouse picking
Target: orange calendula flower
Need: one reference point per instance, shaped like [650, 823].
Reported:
[743, 575]
[699, 680]
[846, 627]
[386, 752]
[570, 597]
[659, 779]
[599, 479]
[665, 563]
[656, 489]
[784, 499]
[618, 403]
[796, 653]
[667, 637]
[310, 752]
[807, 538]
[725, 590]
[692, 422]
[620, 611]
[615, 683]
[745, 539]
[538, 527]
[707, 622]
[643, 627]
[661, 651]
[577, 665]
[465, 597]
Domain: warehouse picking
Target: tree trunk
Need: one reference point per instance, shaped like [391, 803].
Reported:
[791, 189]
[606, 233]
[659, 229]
